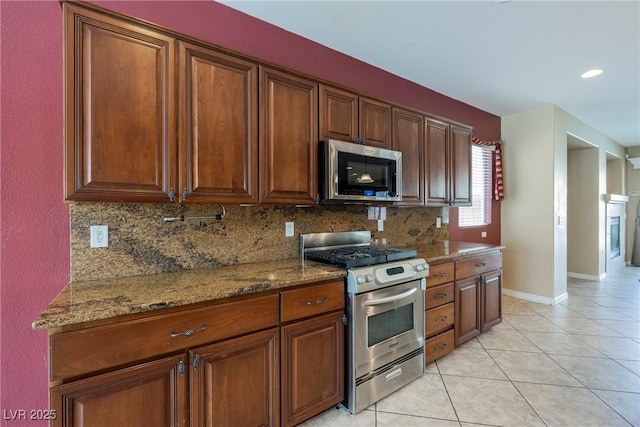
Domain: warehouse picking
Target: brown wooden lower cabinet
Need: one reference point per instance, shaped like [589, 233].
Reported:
[149, 394]
[439, 319]
[312, 367]
[439, 345]
[237, 363]
[478, 298]
[467, 314]
[491, 300]
[236, 382]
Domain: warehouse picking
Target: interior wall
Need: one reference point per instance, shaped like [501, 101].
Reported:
[582, 213]
[559, 207]
[535, 209]
[633, 191]
[615, 176]
[564, 124]
[527, 209]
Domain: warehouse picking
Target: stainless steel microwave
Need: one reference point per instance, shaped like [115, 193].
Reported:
[356, 173]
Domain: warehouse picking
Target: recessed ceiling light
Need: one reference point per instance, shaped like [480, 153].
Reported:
[591, 73]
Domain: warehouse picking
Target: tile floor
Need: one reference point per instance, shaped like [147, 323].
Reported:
[573, 364]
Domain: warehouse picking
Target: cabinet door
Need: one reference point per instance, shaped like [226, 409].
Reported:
[150, 394]
[408, 137]
[119, 113]
[312, 367]
[218, 127]
[289, 138]
[467, 324]
[374, 123]
[460, 166]
[437, 163]
[235, 382]
[491, 303]
[338, 114]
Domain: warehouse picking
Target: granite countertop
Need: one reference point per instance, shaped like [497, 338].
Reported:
[91, 300]
[449, 251]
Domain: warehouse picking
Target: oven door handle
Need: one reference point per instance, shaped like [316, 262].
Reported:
[391, 298]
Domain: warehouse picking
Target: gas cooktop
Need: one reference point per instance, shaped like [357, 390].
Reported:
[360, 256]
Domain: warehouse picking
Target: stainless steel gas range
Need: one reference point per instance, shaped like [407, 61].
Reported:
[385, 312]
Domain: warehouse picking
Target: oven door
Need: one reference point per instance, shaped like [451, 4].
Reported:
[388, 324]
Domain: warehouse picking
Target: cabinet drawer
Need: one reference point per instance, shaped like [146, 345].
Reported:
[440, 273]
[478, 265]
[311, 300]
[438, 346]
[438, 295]
[93, 349]
[439, 318]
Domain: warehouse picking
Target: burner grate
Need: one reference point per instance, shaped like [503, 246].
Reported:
[360, 256]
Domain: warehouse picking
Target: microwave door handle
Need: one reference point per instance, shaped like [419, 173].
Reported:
[391, 298]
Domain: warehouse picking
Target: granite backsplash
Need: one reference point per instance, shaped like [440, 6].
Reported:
[140, 242]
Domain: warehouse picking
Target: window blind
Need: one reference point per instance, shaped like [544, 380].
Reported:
[479, 213]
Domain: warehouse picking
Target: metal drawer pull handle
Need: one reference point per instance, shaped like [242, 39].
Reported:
[441, 275]
[442, 319]
[481, 264]
[441, 296]
[391, 298]
[318, 301]
[188, 332]
[442, 347]
[393, 374]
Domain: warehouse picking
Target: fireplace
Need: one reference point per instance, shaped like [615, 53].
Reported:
[615, 232]
[614, 237]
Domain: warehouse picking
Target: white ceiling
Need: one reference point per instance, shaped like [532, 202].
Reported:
[501, 57]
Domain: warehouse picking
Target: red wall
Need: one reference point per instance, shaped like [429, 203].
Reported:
[34, 221]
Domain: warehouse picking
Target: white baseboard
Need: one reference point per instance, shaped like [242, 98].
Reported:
[535, 298]
[586, 276]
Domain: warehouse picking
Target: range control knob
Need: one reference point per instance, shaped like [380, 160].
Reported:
[420, 267]
[368, 278]
[360, 280]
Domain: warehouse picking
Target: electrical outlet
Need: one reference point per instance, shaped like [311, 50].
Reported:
[383, 213]
[380, 225]
[288, 229]
[371, 213]
[483, 234]
[99, 236]
[438, 222]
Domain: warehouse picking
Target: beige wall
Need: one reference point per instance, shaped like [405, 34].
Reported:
[527, 209]
[535, 209]
[633, 184]
[565, 123]
[615, 175]
[582, 212]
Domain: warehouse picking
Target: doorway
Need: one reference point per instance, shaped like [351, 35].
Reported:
[583, 209]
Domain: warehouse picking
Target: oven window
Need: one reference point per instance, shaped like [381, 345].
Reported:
[386, 325]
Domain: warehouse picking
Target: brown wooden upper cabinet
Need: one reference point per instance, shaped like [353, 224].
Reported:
[218, 127]
[122, 116]
[448, 164]
[408, 137]
[348, 117]
[120, 112]
[288, 138]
